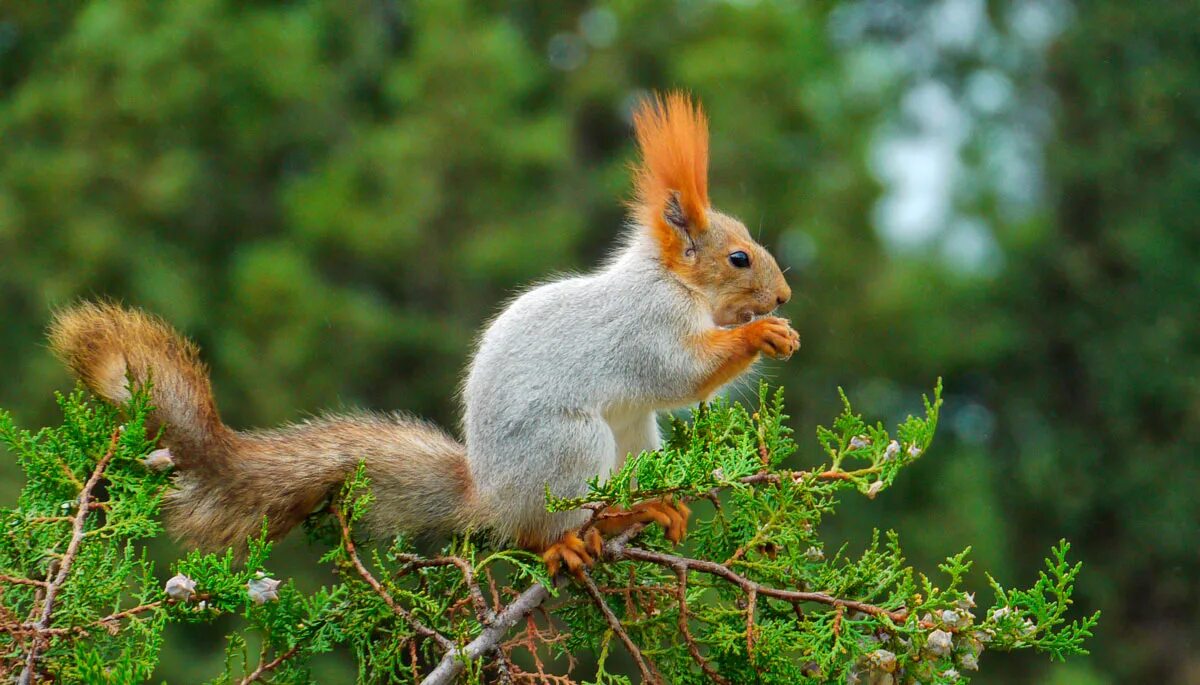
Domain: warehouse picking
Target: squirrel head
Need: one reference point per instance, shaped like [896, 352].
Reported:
[710, 252]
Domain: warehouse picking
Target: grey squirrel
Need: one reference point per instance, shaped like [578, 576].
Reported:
[564, 384]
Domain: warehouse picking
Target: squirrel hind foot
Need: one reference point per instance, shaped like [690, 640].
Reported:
[671, 515]
[573, 552]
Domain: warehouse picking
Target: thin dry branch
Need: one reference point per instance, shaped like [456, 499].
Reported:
[31, 629]
[615, 625]
[26, 628]
[265, 668]
[22, 581]
[693, 648]
[141, 609]
[418, 627]
[751, 607]
[747, 585]
[532, 640]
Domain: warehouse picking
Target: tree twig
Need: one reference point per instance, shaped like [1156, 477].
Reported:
[418, 627]
[615, 624]
[22, 581]
[141, 609]
[453, 661]
[265, 668]
[751, 607]
[747, 585]
[693, 648]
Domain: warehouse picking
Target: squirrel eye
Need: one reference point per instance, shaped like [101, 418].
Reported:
[740, 259]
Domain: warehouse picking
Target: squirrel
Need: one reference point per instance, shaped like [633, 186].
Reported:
[564, 383]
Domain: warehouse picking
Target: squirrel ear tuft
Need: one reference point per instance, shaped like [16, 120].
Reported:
[672, 179]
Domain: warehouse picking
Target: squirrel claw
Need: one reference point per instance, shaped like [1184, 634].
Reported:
[773, 337]
[671, 515]
[594, 542]
[573, 552]
[678, 513]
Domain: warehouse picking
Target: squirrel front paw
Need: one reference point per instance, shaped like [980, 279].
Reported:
[772, 336]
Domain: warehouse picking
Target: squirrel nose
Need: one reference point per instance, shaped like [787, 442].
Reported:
[783, 296]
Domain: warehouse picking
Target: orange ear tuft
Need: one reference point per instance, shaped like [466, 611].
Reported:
[672, 133]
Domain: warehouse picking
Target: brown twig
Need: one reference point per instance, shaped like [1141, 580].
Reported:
[265, 668]
[751, 607]
[32, 629]
[531, 640]
[141, 609]
[454, 660]
[40, 641]
[492, 589]
[531, 630]
[693, 648]
[630, 590]
[615, 625]
[20, 628]
[49, 519]
[22, 581]
[795, 476]
[418, 627]
[416, 662]
[747, 585]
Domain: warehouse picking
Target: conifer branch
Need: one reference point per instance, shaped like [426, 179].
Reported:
[482, 611]
[753, 628]
[351, 552]
[84, 504]
[693, 649]
[618, 548]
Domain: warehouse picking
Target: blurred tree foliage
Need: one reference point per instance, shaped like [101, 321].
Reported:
[332, 198]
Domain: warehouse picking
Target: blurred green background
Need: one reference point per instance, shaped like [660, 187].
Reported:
[332, 197]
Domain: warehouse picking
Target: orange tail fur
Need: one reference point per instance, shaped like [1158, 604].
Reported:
[227, 481]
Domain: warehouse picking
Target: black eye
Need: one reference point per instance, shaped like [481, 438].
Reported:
[740, 259]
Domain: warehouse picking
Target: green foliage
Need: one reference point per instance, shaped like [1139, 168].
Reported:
[763, 601]
[721, 445]
[766, 529]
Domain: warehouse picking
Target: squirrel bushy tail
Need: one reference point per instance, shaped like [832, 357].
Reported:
[226, 481]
